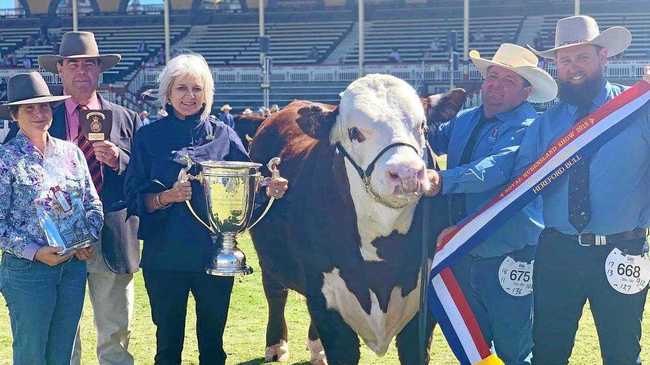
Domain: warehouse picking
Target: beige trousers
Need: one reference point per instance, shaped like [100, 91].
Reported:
[111, 296]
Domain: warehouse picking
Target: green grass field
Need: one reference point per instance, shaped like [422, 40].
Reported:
[244, 338]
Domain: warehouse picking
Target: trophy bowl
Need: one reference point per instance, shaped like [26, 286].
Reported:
[229, 188]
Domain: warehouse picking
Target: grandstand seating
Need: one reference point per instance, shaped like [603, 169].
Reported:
[122, 40]
[637, 23]
[237, 44]
[412, 38]
[13, 38]
[230, 41]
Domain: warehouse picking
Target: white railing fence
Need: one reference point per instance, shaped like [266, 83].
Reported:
[436, 73]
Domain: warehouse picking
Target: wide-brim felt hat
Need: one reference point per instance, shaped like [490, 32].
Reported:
[78, 45]
[524, 63]
[582, 29]
[27, 88]
[225, 107]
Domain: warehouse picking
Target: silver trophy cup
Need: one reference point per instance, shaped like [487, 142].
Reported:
[229, 188]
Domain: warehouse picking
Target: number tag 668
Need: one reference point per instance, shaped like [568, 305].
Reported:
[627, 274]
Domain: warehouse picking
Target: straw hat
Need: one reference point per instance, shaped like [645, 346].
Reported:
[581, 29]
[524, 63]
[78, 45]
[225, 107]
[27, 88]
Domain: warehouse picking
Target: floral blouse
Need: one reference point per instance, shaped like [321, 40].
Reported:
[31, 181]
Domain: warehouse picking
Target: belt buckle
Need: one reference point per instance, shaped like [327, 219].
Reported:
[580, 241]
[599, 240]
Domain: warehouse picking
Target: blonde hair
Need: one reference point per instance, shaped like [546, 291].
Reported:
[187, 64]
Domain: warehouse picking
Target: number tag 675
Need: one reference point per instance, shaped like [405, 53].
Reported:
[516, 277]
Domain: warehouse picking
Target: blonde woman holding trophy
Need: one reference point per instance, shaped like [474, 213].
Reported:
[177, 246]
[49, 216]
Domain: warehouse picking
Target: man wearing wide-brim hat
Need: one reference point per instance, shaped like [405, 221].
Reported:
[597, 212]
[110, 273]
[226, 117]
[481, 144]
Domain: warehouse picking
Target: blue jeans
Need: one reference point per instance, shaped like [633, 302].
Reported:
[505, 320]
[45, 305]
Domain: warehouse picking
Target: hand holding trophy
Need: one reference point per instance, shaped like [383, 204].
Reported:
[229, 189]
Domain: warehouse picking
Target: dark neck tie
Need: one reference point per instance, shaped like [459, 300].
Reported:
[579, 205]
[86, 147]
[458, 210]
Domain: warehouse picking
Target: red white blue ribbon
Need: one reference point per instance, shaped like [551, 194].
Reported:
[585, 138]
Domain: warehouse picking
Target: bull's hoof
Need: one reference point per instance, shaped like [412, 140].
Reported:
[317, 353]
[278, 352]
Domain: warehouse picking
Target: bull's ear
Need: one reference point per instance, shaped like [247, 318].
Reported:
[443, 107]
[317, 120]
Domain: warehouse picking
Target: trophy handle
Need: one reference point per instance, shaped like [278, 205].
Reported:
[183, 176]
[272, 165]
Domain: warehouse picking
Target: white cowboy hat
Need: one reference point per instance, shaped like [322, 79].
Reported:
[225, 107]
[78, 45]
[581, 29]
[522, 62]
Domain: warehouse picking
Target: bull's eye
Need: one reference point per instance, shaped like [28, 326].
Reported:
[355, 135]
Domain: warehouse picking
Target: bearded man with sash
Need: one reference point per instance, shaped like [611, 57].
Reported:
[596, 214]
[481, 145]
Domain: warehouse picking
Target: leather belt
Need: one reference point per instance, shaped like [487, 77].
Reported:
[590, 239]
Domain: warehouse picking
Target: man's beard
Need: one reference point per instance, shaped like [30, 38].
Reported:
[581, 94]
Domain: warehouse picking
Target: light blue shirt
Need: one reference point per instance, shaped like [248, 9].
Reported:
[619, 177]
[488, 172]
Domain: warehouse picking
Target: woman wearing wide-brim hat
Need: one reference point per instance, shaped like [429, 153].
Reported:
[43, 181]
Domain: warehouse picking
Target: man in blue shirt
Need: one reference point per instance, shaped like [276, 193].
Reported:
[226, 117]
[481, 145]
[596, 215]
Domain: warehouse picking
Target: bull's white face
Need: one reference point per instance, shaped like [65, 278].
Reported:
[375, 112]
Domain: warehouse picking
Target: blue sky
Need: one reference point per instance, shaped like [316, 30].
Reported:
[5, 4]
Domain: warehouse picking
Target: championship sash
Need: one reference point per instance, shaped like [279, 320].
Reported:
[446, 299]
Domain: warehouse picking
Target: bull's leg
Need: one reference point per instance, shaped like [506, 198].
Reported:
[277, 347]
[408, 342]
[315, 347]
[340, 342]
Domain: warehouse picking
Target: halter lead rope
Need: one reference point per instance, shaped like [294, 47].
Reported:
[367, 173]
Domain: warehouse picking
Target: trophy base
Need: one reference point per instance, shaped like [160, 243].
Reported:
[231, 263]
[75, 246]
[230, 272]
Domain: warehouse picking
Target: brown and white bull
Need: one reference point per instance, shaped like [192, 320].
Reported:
[345, 235]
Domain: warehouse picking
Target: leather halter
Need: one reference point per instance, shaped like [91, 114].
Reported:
[366, 174]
